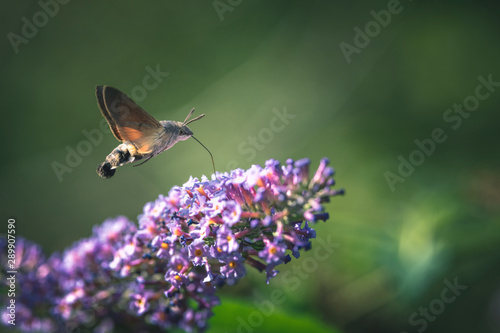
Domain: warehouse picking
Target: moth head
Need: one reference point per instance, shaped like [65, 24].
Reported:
[184, 132]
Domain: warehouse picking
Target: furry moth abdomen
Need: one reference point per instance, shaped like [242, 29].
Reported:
[123, 154]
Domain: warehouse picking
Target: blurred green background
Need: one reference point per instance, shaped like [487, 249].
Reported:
[241, 62]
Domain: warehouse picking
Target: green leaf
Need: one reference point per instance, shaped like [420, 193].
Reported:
[262, 317]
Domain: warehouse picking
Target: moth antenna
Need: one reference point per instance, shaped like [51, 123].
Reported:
[200, 116]
[189, 115]
[213, 164]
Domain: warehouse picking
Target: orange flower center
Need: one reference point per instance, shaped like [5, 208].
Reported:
[260, 183]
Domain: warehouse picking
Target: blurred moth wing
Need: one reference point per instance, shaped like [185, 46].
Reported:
[128, 121]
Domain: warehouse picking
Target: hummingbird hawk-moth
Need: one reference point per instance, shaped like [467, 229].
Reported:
[142, 136]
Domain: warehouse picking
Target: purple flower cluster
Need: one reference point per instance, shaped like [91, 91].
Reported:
[164, 273]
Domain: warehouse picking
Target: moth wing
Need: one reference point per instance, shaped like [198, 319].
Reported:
[127, 120]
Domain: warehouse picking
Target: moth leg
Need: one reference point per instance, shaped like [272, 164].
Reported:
[150, 157]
